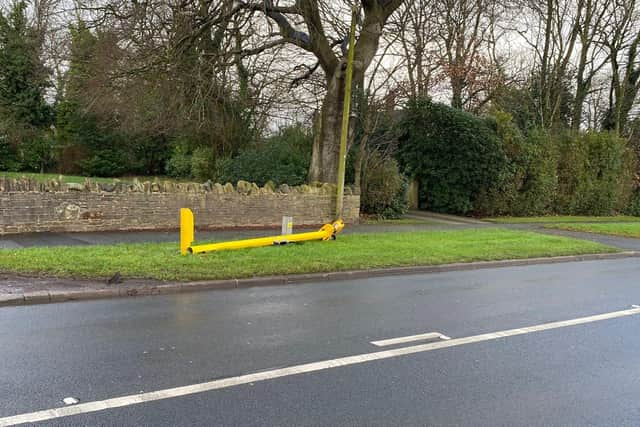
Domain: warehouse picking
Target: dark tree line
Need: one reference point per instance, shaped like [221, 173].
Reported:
[114, 87]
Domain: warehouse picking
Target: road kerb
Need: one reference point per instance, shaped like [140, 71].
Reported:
[55, 295]
[11, 299]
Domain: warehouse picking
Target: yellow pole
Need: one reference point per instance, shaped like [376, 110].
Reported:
[187, 230]
[327, 232]
[345, 114]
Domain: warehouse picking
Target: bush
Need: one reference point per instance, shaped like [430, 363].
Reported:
[633, 207]
[527, 186]
[203, 164]
[595, 173]
[539, 179]
[500, 197]
[38, 153]
[283, 159]
[8, 157]
[108, 162]
[179, 164]
[455, 156]
[383, 188]
[149, 154]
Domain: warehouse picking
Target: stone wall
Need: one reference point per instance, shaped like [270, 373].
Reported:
[30, 206]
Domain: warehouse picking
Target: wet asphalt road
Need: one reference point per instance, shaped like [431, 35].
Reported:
[575, 376]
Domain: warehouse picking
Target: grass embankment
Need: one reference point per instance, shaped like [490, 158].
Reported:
[562, 219]
[613, 229]
[162, 261]
[79, 179]
[49, 176]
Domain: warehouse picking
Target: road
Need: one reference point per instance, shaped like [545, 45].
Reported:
[564, 375]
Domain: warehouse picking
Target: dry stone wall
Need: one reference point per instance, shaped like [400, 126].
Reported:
[31, 206]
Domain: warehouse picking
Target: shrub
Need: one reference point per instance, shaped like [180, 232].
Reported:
[8, 157]
[500, 197]
[455, 156]
[203, 164]
[383, 188]
[149, 154]
[527, 186]
[537, 175]
[179, 164]
[107, 162]
[595, 173]
[633, 207]
[283, 159]
[38, 153]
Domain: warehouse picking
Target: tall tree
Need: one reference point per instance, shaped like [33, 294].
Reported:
[552, 31]
[319, 28]
[23, 77]
[466, 32]
[592, 57]
[622, 40]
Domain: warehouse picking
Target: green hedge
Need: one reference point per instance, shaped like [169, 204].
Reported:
[282, 159]
[384, 188]
[455, 156]
[595, 173]
[488, 166]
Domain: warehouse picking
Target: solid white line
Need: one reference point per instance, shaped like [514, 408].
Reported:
[411, 338]
[170, 393]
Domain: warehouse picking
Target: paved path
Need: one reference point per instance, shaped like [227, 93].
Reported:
[115, 237]
[563, 376]
[626, 243]
[432, 221]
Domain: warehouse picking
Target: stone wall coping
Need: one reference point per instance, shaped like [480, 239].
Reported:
[22, 185]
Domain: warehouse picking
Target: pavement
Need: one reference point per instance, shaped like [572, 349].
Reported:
[254, 346]
[430, 222]
[25, 240]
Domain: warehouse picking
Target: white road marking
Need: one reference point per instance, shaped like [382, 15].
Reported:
[411, 338]
[70, 401]
[170, 393]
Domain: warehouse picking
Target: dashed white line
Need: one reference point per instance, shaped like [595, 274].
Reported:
[170, 393]
[411, 338]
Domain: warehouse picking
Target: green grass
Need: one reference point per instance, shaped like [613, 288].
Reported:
[561, 219]
[613, 229]
[358, 251]
[77, 179]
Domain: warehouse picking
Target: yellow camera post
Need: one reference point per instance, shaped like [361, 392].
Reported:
[187, 237]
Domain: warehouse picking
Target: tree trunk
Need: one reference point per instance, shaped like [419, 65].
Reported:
[326, 145]
[457, 86]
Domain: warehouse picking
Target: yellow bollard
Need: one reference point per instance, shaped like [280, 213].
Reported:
[187, 236]
[187, 230]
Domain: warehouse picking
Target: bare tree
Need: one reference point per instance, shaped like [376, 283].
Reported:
[622, 39]
[319, 28]
[551, 29]
[592, 56]
[416, 38]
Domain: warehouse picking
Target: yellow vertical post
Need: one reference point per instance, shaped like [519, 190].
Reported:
[187, 230]
[345, 114]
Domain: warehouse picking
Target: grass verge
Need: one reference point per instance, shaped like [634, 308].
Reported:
[351, 252]
[613, 229]
[561, 219]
